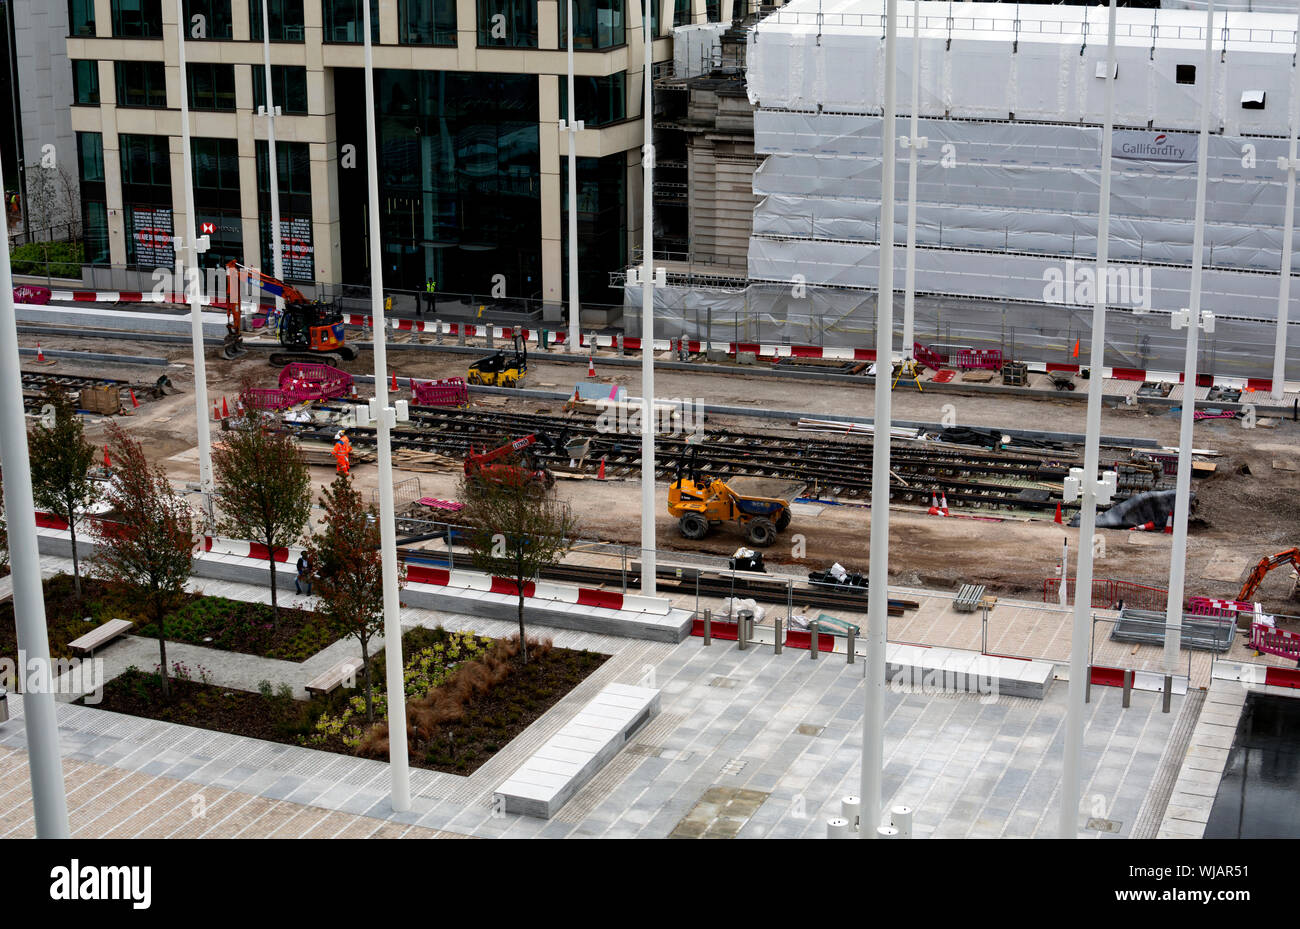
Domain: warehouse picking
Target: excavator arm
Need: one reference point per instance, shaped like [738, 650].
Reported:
[271, 285]
[1291, 556]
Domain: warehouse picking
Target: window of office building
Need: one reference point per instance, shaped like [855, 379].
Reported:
[216, 170]
[147, 200]
[211, 86]
[601, 100]
[459, 181]
[682, 13]
[507, 23]
[85, 82]
[81, 17]
[293, 178]
[344, 19]
[602, 224]
[216, 22]
[283, 16]
[426, 22]
[137, 19]
[288, 86]
[94, 208]
[141, 83]
[597, 24]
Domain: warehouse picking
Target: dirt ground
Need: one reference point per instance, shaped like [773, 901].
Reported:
[1246, 510]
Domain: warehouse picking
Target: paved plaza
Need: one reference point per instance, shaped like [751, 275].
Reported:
[747, 743]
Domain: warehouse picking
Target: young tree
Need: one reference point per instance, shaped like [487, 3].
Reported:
[519, 529]
[62, 459]
[262, 486]
[348, 579]
[150, 547]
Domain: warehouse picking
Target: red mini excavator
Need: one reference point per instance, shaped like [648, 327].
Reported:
[489, 467]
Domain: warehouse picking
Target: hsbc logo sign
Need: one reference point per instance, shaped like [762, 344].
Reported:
[208, 229]
[1178, 147]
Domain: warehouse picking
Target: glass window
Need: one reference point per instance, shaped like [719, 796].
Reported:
[141, 83]
[90, 156]
[601, 100]
[294, 174]
[216, 164]
[216, 22]
[426, 22]
[713, 10]
[596, 24]
[344, 18]
[682, 13]
[85, 82]
[288, 86]
[212, 86]
[507, 23]
[602, 224]
[81, 17]
[146, 160]
[94, 225]
[284, 16]
[137, 19]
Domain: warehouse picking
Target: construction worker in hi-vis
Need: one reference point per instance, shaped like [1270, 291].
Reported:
[342, 449]
[430, 287]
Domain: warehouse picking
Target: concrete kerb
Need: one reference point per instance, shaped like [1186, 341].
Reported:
[98, 356]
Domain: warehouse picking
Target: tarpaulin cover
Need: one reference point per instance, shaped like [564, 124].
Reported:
[1152, 507]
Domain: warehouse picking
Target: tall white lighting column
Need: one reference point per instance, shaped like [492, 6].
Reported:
[272, 164]
[1195, 321]
[912, 141]
[1284, 286]
[573, 126]
[384, 417]
[49, 803]
[873, 716]
[1083, 483]
[192, 279]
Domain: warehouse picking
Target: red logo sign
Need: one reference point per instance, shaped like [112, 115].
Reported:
[208, 229]
[152, 237]
[296, 248]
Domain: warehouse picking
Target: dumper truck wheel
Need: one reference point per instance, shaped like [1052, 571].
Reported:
[693, 526]
[760, 532]
[783, 520]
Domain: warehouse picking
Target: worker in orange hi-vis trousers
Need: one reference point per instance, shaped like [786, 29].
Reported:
[342, 449]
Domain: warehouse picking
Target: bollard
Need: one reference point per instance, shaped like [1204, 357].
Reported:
[618, 343]
[4, 705]
[812, 640]
[900, 817]
[437, 331]
[708, 627]
[837, 827]
[490, 335]
[591, 344]
[777, 643]
[853, 642]
[1087, 688]
[543, 339]
[1128, 689]
[851, 809]
[460, 334]
[1169, 693]
[743, 629]
[886, 832]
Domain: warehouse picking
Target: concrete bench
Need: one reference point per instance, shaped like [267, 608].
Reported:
[333, 679]
[968, 598]
[573, 756]
[99, 636]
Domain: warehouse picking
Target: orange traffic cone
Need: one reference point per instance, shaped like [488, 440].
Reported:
[216, 410]
[134, 402]
[591, 367]
[1169, 524]
[225, 410]
[40, 355]
[107, 463]
[395, 387]
[943, 504]
[1057, 520]
[601, 475]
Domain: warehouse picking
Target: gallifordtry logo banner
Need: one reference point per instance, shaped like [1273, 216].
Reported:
[1154, 146]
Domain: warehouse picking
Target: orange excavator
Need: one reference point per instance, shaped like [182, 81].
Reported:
[1291, 556]
[311, 331]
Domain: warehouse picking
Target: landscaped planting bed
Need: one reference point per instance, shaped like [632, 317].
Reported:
[215, 622]
[467, 697]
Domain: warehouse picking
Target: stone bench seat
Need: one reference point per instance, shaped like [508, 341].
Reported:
[573, 756]
[100, 636]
